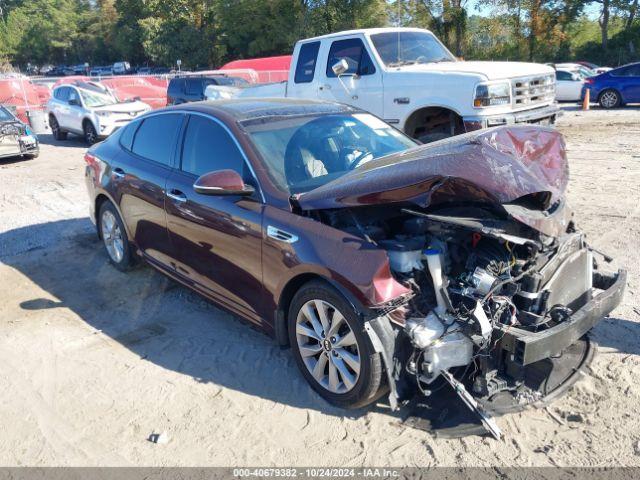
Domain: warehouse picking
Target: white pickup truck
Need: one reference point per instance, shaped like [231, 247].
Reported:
[408, 77]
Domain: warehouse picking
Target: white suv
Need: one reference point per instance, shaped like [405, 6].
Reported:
[89, 109]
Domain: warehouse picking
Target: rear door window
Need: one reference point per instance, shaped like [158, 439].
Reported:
[156, 137]
[564, 76]
[307, 59]
[354, 52]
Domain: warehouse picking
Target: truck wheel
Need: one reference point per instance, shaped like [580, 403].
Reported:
[332, 349]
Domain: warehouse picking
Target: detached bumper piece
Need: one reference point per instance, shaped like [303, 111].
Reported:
[530, 347]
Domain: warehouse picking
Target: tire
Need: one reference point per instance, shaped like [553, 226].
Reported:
[57, 132]
[89, 133]
[114, 238]
[610, 99]
[348, 376]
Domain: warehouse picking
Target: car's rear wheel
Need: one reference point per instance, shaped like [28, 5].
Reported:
[90, 134]
[58, 134]
[114, 237]
[332, 349]
[610, 99]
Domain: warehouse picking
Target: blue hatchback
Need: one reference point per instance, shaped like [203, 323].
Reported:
[616, 87]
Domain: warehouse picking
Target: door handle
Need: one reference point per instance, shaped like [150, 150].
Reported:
[118, 173]
[325, 87]
[177, 195]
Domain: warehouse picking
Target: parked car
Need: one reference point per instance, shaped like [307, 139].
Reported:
[16, 138]
[60, 71]
[583, 71]
[104, 71]
[383, 264]
[409, 78]
[89, 109]
[595, 67]
[192, 88]
[616, 87]
[121, 68]
[569, 85]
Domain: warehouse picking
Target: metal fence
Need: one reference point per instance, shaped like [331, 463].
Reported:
[28, 96]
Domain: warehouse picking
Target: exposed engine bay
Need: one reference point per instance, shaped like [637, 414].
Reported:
[501, 290]
[478, 283]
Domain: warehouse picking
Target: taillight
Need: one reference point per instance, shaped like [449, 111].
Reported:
[89, 158]
[589, 81]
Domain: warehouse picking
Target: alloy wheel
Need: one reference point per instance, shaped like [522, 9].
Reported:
[609, 99]
[112, 236]
[328, 346]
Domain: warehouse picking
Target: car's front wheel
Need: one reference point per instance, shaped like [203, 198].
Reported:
[610, 99]
[331, 347]
[114, 237]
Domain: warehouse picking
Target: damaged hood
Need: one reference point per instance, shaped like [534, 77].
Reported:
[523, 169]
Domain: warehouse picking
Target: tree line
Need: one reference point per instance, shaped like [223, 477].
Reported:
[207, 33]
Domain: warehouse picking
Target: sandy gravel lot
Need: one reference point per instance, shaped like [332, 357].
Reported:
[92, 360]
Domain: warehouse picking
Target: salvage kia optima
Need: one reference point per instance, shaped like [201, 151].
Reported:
[387, 266]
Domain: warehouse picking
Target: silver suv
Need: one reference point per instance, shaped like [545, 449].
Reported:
[89, 109]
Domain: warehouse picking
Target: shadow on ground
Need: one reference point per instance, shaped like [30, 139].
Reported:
[156, 318]
[167, 324]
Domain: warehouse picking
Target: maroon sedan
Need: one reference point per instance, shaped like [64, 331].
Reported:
[385, 265]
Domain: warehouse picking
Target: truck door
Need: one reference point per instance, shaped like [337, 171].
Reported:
[360, 85]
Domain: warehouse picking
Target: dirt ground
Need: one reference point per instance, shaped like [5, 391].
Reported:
[92, 361]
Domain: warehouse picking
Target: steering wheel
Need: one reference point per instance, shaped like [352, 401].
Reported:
[359, 158]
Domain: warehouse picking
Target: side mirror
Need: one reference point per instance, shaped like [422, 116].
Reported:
[74, 101]
[340, 67]
[222, 182]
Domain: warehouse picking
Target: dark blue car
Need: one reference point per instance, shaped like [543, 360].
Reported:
[616, 87]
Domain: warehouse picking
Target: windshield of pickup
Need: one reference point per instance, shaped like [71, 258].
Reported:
[397, 49]
[304, 152]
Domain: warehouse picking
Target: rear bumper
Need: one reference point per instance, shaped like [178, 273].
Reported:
[529, 347]
[544, 115]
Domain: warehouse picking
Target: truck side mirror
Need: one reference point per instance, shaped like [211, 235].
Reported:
[340, 67]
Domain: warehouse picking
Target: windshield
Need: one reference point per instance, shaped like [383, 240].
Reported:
[95, 99]
[407, 48]
[302, 153]
[5, 116]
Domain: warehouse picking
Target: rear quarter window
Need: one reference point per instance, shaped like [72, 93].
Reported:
[128, 132]
[176, 85]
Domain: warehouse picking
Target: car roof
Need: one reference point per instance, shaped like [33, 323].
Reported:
[361, 31]
[250, 109]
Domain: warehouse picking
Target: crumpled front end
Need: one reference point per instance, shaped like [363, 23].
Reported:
[503, 288]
